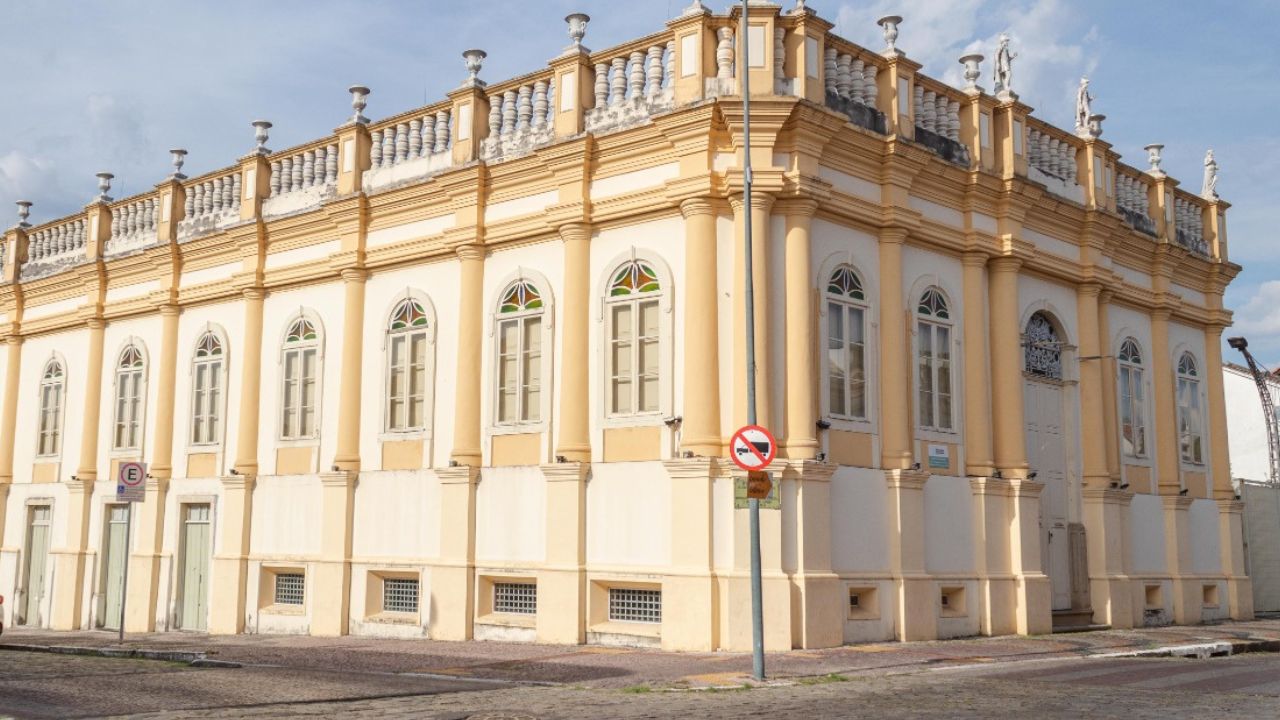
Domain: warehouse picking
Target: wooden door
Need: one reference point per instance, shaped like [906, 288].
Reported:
[195, 568]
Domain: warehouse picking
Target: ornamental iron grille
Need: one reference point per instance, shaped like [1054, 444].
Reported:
[1042, 349]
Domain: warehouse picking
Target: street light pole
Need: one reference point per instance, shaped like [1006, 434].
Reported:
[757, 592]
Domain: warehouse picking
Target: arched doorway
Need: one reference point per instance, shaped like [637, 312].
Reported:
[1043, 397]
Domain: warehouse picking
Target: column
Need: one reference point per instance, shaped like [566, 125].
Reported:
[70, 560]
[231, 560]
[347, 456]
[690, 586]
[250, 384]
[562, 578]
[760, 208]
[1093, 433]
[574, 440]
[701, 429]
[148, 516]
[1009, 440]
[1216, 421]
[466, 425]
[895, 360]
[1108, 365]
[977, 385]
[1168, 460]
[9, 418]
[801, 438]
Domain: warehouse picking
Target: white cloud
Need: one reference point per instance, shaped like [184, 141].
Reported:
[1260, 314]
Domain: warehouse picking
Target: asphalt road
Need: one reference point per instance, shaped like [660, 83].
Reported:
[37, 685]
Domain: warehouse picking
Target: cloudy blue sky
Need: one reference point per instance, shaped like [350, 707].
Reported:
[96, 85]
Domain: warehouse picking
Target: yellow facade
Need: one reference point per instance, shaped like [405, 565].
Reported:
[470, 371]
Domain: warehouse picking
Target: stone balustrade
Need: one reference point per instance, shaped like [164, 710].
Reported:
[133, 225]
[303, 170]
[410, 147]
[937, 121]
[1051, 161]
[851, 87]
[630, 87]
[55, 245]
[211, 203]
[1188, 218]
[520, 119]
[1133, 202]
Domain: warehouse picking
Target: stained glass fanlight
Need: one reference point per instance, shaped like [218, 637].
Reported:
[521, 296]
[634, 278]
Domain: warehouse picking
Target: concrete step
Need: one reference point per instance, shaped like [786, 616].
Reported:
[1075, 620]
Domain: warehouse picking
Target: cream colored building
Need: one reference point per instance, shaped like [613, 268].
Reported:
[470, 371]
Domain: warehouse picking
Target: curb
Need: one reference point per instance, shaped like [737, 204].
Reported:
[1200, 651]
[190, 657]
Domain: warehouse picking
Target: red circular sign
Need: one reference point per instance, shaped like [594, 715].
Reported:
[753, 448]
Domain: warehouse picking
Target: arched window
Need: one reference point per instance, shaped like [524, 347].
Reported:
[520, 354]
[130, 370]
[933, 330]
[634, 340]
[1190, 422]
[1133, 428]
[846, 345]
[301, 368]
[1041, 348]
[407, 355]
[206, 390]
[49, 440]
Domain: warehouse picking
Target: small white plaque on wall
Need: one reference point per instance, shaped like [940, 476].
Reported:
[939, 456]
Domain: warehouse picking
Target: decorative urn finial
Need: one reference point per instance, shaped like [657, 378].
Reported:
[359, 101]
[260, 136]
[890, 24]
[475, 60]
[179, 156]
[104, 186]
[577, 27]
[24, 212]
[972, 71]
[1153, 157]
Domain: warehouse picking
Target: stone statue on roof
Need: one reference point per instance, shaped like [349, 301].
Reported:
[1210, 189]
[1084, 108]
[1004, 67]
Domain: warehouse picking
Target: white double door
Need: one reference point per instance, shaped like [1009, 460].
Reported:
[1046, 453]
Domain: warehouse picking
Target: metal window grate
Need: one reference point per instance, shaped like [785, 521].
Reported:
[515, 598]
[290, 588]
[399, 595]
[632, 605]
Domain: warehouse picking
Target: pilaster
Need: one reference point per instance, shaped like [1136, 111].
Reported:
[172, 205]
[347, 455]
[1009, 123]
[894, 95]
[331, 581]
[1107, 361]
[800, 438]
[88, 465]
[977, 384]
[701, 433]
[1033, 592]
[1219, 449]
[895, 364]
[255, 179]
[761, 206]
[162, 453]
[71, 560]
[1093, 433]
[9, 418]
[562, 579]
[1168, 460]
[246, 463]
[353, 157]
[690, 585]
[575, 91]
[470, 121]
[806, 47]
[452, 605]
[1187, 600]
[466, 426]
[915, 594]
[695, 59]
[817, 608]
[1106, 523]
[997, 587]
[574, 440]
[1231, 541]
[1009, 437]
[228, 584]
[144, 560]
[735, 585]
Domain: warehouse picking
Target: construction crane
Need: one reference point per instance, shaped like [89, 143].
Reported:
[1268, 406]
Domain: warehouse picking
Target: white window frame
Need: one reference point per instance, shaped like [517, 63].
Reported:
[54, 427]
[662, 299]
[1133, 375]
[137, 411]
[300, 348]
[215, 412]
[406, 335]
[1189, 390]
[847, 305]
[521, 318]
[931, 324]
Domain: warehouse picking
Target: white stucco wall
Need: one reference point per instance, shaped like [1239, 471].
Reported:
[511, 516]
[948, 525]
[1147, 534]
[629, 506]
[1246, 424]
[859, 527]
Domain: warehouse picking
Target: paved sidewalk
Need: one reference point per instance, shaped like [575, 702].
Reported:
[592, 666]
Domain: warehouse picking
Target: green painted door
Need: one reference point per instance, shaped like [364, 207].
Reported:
[195, 568]
[116, 545]
[37, 559]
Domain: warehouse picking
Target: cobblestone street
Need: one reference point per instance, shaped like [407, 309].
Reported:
[1081, 675]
